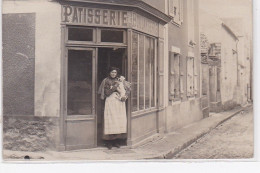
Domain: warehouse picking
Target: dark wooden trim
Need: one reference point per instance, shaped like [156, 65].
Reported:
[96, 93]
[129, 76]
[62, 85]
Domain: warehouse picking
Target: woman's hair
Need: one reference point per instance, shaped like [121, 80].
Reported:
[114, 68]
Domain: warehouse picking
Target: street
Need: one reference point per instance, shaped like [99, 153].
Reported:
[234, 139]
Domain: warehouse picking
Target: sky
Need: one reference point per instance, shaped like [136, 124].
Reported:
[230, 9]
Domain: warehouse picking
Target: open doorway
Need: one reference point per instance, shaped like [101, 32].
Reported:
[115, 57]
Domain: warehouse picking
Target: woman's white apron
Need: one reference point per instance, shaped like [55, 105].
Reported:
[115, 121]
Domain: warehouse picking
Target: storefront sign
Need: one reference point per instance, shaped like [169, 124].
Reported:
[108, 18]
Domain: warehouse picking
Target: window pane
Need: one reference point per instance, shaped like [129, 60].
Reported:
[79, 82]
[147, 72]
[80, 34]
[112, 36]
[134, 71]
[141, 72]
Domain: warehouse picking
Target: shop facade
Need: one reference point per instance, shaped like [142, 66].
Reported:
[64, 51]
[74, 43]
[127, 38]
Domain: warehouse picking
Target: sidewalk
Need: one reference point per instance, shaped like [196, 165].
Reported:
[164, 148]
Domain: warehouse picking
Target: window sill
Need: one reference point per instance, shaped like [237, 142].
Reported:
[143, 112]
[178, 24]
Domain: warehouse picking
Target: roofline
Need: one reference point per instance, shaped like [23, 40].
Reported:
[130, 3]
[230, 31]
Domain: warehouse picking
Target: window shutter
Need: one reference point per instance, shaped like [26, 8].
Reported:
[171, 76]
[161, 73]
[190, 76]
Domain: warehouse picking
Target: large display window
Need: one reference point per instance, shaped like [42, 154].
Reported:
[143, 72]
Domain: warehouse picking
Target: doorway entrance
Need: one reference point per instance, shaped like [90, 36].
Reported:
[88, 54]
[107, 57]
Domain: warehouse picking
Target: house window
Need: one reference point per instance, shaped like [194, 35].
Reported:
[192, 77]
[143, 72]
[176, 10]
[174, 77]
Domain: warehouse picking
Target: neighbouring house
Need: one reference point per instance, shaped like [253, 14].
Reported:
[228, 61]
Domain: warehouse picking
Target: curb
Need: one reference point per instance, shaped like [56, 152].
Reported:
[171, 153]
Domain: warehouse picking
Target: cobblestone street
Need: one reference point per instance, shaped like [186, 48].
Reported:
[233, 139]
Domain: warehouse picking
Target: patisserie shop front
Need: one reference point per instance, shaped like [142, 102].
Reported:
[97, 35]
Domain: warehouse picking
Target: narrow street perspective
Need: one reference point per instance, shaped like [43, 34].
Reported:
[233, 139]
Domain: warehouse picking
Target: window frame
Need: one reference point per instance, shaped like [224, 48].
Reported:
[80, 42]
[96, 37]
[151, 108]
[112, 29]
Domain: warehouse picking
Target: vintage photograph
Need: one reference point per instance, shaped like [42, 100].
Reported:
[102, 80]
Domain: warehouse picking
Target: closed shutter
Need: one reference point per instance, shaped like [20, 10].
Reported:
[171, 76]
[161, 74]
[190, 76]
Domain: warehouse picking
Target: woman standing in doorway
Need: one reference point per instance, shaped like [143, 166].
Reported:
[115, 120]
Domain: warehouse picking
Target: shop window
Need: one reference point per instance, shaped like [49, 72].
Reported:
[176, 10]
[80, 34]
[143, 72]
[115, 36]
[79, 82]
[174, 77]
